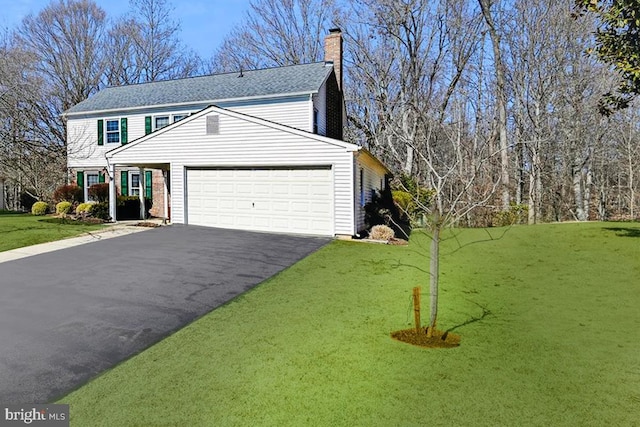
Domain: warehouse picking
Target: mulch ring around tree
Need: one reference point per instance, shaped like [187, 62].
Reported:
[439, 339]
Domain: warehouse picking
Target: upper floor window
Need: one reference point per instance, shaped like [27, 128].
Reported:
[161, 121]
[113, 130]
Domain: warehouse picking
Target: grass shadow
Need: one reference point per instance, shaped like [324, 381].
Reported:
[69, 221]
[624, 231]
[485, 313]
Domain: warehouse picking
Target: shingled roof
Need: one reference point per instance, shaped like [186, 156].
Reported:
[289, 80]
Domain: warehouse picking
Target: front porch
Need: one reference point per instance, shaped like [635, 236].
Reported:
[159, 194]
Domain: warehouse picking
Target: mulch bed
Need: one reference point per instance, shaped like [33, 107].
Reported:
[439, 339]
[397, 242]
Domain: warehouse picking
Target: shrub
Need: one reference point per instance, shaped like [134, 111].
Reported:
[99, 192]
[381, 232]
[381, 210]
[100, 210]
[68, 193]
[411, 199]
[39, 208]
[422, 194]
[63, 208]
[83, 208]
[517, 214]
[404, 201]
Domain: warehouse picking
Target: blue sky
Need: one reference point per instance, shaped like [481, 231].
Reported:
[204, 23]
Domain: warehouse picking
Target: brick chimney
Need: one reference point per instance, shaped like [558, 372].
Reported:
[333, 52]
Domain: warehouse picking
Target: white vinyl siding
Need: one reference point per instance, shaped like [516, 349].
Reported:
[374, 178]
[243, 143]
[83, 150]
[320, 105]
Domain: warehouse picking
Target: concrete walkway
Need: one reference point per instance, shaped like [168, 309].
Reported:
[121, 228]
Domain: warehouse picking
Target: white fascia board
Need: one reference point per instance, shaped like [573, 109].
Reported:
[366, 153]
[183, 104]
[109, 154]
[346, 145]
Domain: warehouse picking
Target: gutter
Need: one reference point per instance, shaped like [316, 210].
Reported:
[182, 104]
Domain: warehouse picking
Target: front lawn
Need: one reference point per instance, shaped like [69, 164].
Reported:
[558, 347]
[19, 230]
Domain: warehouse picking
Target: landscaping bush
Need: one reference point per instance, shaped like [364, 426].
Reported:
[83, 208]
[404, 201]
[381, 210]
[517, 214]
[381, 232]
[128, 207]
[39, 208]
[99, 192]
[63, 208]
[100, 210]
[68, 193]
[422, 195]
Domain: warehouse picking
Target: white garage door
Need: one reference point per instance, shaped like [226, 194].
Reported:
[286, 200]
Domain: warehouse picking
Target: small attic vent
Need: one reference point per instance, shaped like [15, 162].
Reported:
[213, 125]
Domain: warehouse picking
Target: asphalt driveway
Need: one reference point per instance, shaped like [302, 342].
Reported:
[66, 316]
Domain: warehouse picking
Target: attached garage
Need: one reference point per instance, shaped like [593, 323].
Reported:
[253, 174]
[283, 199]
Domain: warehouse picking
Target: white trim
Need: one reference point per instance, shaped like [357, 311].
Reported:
[105, 138]
[112, 191]
[346, 145]
[141, 191]
[165, 196]
[180, 104]
[85, 180]
[130, 174]
[311, 113]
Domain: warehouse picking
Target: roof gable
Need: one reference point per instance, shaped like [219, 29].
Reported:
[214, 109]
[270, 82]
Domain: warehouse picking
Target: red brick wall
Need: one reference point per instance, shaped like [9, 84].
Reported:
[157, 186]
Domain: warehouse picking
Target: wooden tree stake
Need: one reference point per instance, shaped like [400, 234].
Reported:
[416, 307]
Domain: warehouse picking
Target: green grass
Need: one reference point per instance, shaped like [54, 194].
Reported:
[311, 346]
[19, 230]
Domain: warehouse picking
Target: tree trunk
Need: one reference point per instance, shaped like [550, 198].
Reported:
[587, 193]
[434, 273]
[631, 182]
[501, 102]
[578, 191]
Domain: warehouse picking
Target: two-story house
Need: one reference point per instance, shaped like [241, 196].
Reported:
[255, 149]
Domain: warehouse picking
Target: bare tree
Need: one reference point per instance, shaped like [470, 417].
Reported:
[276, 33]
[67, 38]
[27, 164]
[501, 99]
[147, 47]
[412, 76]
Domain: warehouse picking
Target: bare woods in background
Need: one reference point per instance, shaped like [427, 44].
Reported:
[486, 104]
